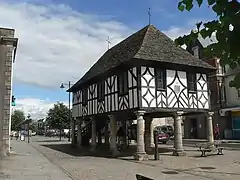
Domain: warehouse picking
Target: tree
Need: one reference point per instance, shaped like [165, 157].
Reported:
[17, 117]
[33, 126]
[226, 29]
[58, 117]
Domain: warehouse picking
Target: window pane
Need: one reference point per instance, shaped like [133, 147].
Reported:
[101, 90]
[85, 98]
[191, 82]
[160, 79]
[123, 82]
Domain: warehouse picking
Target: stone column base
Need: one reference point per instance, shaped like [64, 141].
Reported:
[114, 152]
[141, 156]
[93, 148]
[179, 153]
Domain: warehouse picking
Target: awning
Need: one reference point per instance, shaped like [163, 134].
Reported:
[222, 112]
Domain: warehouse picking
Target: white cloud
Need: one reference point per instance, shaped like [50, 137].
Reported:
[175, 32]
[56, 42]
[37, 108]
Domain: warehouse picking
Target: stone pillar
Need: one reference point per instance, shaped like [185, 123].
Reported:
[106, 133]
[210, 137]
[113, 133]
[94, 134]
[7, 47]
[151, 134]
[140, 154]
[99, 136]
[149, 141]
[72, 134]
[79, 134]
[178, 145]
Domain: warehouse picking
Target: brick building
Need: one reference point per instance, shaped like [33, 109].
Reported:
[195, 126]
[8, 47]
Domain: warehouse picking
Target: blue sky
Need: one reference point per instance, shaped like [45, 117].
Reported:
[60, 39]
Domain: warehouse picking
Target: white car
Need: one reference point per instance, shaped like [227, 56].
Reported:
[33, 133]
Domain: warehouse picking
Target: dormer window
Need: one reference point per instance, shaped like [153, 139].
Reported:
[160, 79]
[191, 79]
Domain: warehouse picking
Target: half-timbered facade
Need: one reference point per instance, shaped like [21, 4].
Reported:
[147, 73]
[152, 87]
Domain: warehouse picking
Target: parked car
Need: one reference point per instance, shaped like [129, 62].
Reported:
[166, 129]
[51, 133]
[33, 133]
[163, 137]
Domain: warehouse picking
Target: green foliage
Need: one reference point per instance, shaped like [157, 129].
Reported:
[227, 45]
[33, 126]
[58, 116]
[17, 117]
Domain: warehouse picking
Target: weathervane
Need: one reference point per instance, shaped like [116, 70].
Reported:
[109, 42]
[149, 16]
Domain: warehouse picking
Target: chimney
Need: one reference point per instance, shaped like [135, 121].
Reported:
[195, 50]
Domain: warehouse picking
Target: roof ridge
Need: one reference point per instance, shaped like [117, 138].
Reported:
[146, 31]
[149, 44]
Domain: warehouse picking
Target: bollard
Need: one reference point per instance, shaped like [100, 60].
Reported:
[156, 155]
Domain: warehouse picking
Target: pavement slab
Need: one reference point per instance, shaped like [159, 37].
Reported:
[190, 167]
[39, 160]
[28, 164]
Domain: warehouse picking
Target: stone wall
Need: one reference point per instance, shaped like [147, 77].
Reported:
[6, 52]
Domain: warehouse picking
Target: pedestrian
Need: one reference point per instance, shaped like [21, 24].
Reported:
[120, 136]
[217, 132]
[11, 135]
[17, 135]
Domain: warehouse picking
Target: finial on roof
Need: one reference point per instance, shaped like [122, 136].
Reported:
[109, 42]
[149, 16]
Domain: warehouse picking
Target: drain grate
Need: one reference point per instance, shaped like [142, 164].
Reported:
[209, 168]
[170, 172]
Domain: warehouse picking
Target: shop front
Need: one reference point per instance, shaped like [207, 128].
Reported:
[233, 116]
[236, 124]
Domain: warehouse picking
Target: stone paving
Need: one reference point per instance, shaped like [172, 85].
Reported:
[191, 167]
[35, 161]
[28, 164]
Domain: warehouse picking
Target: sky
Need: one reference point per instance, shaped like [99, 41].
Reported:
[59, 40]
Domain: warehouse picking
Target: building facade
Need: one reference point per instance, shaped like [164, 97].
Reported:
[8, 45]
[231, 112]
[143, 77]
[195, 125]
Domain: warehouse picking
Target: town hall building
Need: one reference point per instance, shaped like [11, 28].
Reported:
[143, 77]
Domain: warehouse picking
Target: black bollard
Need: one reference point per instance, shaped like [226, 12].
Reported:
[156, 155]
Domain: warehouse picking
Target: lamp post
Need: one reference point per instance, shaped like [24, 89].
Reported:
[28, 123]
[69, 108]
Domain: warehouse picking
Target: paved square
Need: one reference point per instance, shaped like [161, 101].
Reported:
[35, 161]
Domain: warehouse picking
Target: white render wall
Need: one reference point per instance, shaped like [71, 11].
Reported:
[176, 94]
[231, 93]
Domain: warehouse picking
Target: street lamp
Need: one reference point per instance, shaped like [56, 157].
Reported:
[69, 108]
[28, 122]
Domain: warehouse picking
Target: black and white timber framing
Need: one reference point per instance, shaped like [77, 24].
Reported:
[144, 85]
